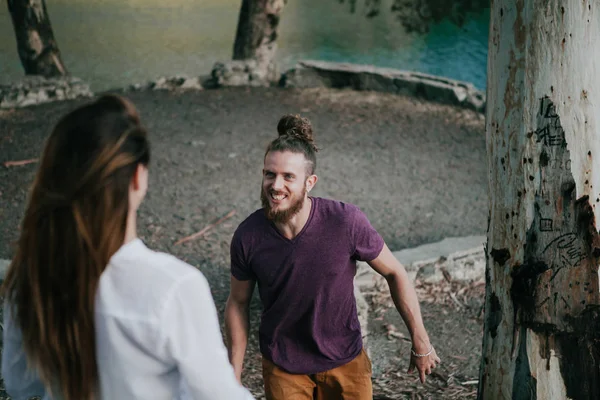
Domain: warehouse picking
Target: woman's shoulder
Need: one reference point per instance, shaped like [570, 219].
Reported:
[152, 275]
[136, 258]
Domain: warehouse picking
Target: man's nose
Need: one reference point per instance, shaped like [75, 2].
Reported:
[278, 183]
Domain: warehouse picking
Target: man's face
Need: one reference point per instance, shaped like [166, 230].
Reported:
[284, 185]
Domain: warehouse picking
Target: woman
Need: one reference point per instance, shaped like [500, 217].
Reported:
[91, 312]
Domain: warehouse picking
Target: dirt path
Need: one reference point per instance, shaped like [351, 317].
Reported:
[417, 169]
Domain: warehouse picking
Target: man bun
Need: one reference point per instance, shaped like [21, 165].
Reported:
[296, 127]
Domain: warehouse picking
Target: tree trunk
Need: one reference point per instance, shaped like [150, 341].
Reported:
[257, 30]
[37, 48]
[542, 327]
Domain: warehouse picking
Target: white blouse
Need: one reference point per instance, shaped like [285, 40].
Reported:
[157, 334]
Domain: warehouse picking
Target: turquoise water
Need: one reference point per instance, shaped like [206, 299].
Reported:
[112, 43]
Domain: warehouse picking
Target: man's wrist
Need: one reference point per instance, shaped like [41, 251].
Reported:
[421, 343]
[419, 355]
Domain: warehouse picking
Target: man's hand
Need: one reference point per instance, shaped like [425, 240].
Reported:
[424, 364]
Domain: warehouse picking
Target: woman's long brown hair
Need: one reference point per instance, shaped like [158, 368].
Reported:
[74, 222]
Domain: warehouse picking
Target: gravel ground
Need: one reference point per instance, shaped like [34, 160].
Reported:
[417, 169]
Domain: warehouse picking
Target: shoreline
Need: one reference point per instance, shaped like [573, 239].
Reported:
[34, 90]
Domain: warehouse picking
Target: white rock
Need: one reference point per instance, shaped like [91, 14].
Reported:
[191, 83]
[161, 81]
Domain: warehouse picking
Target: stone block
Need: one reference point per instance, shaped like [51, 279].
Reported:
[311, 74]
[244, 73]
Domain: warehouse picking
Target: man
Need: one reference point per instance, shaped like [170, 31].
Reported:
[302, 252]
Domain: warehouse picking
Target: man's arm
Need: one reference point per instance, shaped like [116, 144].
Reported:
[237, 322]
[407, 304]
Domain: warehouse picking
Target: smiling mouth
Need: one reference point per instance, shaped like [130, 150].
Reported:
[278, 197]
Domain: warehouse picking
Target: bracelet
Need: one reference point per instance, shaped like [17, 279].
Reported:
[421, 355]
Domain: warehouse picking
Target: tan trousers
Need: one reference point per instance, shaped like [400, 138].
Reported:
[351, 381]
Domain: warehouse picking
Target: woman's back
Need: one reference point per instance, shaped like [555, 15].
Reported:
[154, 311]
[157, 334]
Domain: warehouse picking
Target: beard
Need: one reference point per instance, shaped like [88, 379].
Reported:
[282, 216]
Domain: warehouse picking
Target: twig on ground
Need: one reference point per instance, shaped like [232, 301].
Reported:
[205, 229]
[458, 303]
[8, 164]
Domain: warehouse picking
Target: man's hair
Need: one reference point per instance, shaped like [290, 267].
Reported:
[296, 136]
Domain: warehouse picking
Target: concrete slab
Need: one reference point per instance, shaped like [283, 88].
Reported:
[438, 249]
[417, 259]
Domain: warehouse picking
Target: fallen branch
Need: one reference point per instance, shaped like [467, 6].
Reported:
[205, 229]
[8, 164]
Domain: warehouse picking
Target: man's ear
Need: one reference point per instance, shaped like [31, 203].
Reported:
[311, 181]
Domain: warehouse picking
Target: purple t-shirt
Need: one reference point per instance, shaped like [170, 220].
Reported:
[309, 322]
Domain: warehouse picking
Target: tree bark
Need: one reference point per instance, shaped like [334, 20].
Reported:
[542, 327]
[36, 45]
[256, 33]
